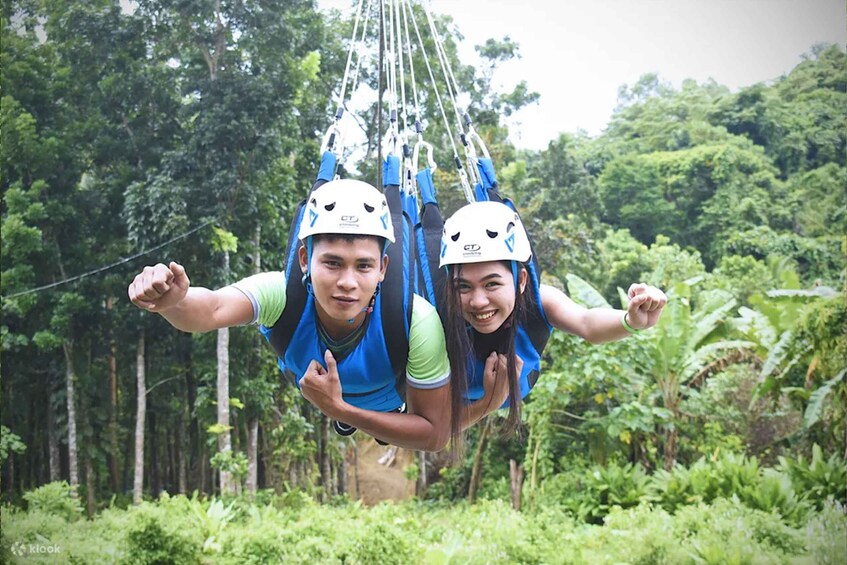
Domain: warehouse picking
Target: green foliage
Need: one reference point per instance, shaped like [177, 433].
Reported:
[9, 443]
[172, 530]
[55, 498]
[730, 476]
[600, 489]
[825, 535]
[819, 479]
[234, 462]
[154, 538]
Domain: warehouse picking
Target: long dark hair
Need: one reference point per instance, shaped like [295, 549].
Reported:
[464, 343]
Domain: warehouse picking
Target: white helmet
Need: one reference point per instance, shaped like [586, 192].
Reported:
[484, 231]
[347, 206]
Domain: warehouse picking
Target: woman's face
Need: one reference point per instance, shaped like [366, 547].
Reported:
[487, 294]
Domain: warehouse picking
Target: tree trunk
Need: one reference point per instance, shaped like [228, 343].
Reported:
[516, 481]
[182, 478]
[476, 471]
[114, 472]
[252, 482]
[153, 449]
[356, 470]
[224, 438]
[140, 414]
[420, 485]
[670, 449]
[192, 459]
[70, 375]
[533, 473]
[326, 472]
[54, 455]
[90, 500]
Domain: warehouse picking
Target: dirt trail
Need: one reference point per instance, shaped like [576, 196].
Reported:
[378, 482]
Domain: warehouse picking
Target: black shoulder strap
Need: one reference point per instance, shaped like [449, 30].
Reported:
[295, 293]
[397, 291]
[429, 230]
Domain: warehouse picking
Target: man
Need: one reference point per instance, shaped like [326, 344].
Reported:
[337, 351]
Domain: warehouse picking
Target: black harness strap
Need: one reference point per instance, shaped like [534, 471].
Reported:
[295, 292]
[397, 291]
[535, 324]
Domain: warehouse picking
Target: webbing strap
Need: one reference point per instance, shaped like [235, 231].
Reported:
[397, 288]
[536, 324]
[428, 235]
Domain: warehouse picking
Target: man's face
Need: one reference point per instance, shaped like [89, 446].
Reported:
[344, 278]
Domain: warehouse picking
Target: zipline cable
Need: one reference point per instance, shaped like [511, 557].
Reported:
[111, 265]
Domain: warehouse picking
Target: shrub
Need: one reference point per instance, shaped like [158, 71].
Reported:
[55, 498]
[155, 537]
[818, 479]
[602, 488]
[826, 535]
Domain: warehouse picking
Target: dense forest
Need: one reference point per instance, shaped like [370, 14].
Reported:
[190, 129]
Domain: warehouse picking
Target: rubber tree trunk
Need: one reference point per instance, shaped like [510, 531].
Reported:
[114, 456]
[326, 470]
[53, 445]
[70, 384]
[140, 415]
[252, 481]
[224, 437]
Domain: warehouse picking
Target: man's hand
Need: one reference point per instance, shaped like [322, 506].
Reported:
[496, 378]
[160, 287]
[322, 387]
[645, 306]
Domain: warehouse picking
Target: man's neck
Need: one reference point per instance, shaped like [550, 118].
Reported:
[337, 329]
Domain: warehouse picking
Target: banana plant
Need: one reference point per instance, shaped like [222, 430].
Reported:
[687, 345]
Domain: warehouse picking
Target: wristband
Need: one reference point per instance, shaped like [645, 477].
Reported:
[626, 325]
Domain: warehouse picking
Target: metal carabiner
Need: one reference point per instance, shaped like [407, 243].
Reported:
[416, 151]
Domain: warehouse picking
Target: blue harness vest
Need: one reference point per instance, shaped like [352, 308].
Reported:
[369, 380]
[373, 374]
[525, 349]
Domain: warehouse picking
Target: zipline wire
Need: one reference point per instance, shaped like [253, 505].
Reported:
[111, 265]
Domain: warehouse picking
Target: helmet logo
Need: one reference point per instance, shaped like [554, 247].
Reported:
[471, 250]
[384, 219]
[443, 249]
[312, 217]
[350, 219]
[510, 242]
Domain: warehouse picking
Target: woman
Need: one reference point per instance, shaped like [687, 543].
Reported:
[499, 316]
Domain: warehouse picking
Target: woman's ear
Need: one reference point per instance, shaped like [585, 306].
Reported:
[522, 277]
[304, 259]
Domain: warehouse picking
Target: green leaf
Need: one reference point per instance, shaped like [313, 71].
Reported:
[817, 400]
[585, 294]
[224, 240]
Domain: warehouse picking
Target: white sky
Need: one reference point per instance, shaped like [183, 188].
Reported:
[576, 53]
